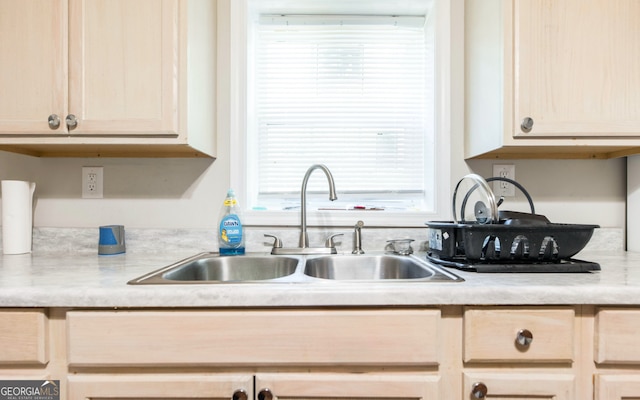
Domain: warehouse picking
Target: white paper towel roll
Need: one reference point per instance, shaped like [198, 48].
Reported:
[17, 205]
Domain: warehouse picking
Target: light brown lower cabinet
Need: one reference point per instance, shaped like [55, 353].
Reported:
[241, 386]
[253, 338]
[286, 354]
[158, 386]
[616, 353]
[448, 352]
[23, 337]
[352, 386]
[520, 353]
[529, 385]
[617, 387]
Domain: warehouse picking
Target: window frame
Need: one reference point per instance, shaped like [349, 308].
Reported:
[234, 42]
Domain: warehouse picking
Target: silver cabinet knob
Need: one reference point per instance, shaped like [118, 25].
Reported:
[54, 121]
[527, 124]
[239, 394]
[479, 390]
[265, 394]
[71, 121]
[524, 337]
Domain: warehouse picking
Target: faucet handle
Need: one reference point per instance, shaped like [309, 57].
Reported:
[329, 243]
[277, 243]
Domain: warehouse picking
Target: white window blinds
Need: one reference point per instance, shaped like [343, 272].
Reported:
[349, 92]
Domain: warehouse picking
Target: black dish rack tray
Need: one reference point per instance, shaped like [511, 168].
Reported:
[516, 248]
[565, 266]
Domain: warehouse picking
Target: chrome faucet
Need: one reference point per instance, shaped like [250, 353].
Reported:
[303, 247]
[357, 244]
[304, 237]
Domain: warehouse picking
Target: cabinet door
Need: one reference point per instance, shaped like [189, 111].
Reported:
[352, 386]
[533, 385]
[158, 386]
[617, 387]
[33, 70]
[124, 66]
[577, 69]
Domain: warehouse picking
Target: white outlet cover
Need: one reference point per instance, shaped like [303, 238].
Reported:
[501, 188]
[92, 182]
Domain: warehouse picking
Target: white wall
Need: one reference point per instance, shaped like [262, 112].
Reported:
[187, 193]
[633, 203]
[571, 191]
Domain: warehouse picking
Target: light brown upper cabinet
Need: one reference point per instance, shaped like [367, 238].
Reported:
[108, 77]
[552, 78]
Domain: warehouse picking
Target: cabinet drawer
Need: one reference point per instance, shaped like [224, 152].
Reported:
[193, 386]
[616, 331]
[617, 386]
[491, 334]
[23, 337]
[541, 384]
[253, 338]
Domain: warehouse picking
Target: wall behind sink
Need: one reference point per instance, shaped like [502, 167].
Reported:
[187, 193]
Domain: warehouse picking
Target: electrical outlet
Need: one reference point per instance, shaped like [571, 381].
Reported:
[501, 188]
[92, 181]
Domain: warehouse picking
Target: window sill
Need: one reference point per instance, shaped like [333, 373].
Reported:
[335, 218]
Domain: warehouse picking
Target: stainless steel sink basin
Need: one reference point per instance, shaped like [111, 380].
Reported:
[210, 268]
[373, 268]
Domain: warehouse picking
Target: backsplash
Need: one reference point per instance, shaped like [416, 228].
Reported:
[138, 240]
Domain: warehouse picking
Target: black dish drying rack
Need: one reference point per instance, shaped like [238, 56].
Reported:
[510, 248]
[508, 241]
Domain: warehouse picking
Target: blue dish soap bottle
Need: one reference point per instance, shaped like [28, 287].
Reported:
[230, 229]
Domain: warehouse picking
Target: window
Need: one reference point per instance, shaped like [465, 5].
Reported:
[356, 90]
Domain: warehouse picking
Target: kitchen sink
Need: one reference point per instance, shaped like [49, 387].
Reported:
[208, 268]
[367, 268]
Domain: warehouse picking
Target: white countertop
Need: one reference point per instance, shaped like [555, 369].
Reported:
[66, 280]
